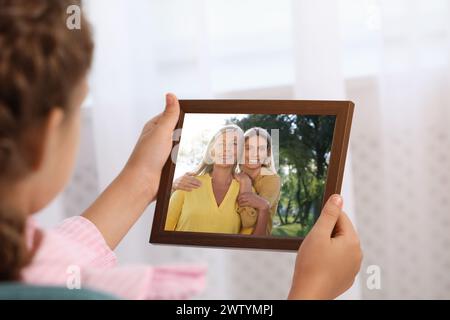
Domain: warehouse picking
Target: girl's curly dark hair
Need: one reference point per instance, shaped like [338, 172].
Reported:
[41, 61]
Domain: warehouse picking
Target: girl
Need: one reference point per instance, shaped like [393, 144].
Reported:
[212, 206]
[43, 68]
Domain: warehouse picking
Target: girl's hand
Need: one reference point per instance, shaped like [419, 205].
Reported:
[187, 182]
[329, 257]
[118, 208]
[250, 199]
[154, 147]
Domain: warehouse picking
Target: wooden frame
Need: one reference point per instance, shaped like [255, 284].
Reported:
[343, 110]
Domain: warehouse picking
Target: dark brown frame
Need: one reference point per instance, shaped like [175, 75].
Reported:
[343, 110]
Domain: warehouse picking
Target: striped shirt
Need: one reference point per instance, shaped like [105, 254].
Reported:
[76, 252]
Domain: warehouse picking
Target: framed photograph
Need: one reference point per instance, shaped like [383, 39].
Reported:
[250, 173]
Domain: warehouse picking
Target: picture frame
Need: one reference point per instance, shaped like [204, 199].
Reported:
[341, 110]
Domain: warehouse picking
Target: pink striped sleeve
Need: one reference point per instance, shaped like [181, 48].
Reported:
[77, 242]
[177, 282]
[82, 231]
[150, 283]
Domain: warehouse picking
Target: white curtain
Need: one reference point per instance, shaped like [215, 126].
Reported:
[390, 57]
[396, 57]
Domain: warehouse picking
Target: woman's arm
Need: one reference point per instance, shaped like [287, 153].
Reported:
[117, 209]
[245, 183]
[269, 188]
[248, 215]
[261, 222]
[262, 206]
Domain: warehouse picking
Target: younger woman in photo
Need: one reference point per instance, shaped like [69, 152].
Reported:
[260, 184]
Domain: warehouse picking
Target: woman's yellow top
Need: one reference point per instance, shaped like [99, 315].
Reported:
[267, 186]
[197, 210]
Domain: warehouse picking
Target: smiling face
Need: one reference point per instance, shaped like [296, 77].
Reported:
[225, 149]
[256, 151]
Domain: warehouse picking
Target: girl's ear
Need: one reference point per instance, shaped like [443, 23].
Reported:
[45, 142]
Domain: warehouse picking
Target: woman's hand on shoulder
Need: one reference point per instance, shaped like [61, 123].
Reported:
[187, 182]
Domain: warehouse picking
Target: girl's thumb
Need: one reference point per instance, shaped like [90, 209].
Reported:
[171, 111]
[330, 214]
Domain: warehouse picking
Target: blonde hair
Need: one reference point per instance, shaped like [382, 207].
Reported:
[207, 164]
[269, 162]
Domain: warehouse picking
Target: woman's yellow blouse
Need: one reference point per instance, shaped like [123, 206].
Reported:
[197, 210]
[268, 187]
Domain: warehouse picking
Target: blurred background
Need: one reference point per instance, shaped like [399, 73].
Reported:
[390, 57]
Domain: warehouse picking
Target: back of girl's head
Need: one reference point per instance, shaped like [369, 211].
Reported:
[41, 61]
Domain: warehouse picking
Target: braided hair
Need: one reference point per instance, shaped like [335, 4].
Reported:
[41, 61]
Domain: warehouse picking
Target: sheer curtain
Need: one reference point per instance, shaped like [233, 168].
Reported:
[396, 56]
[390, 57]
